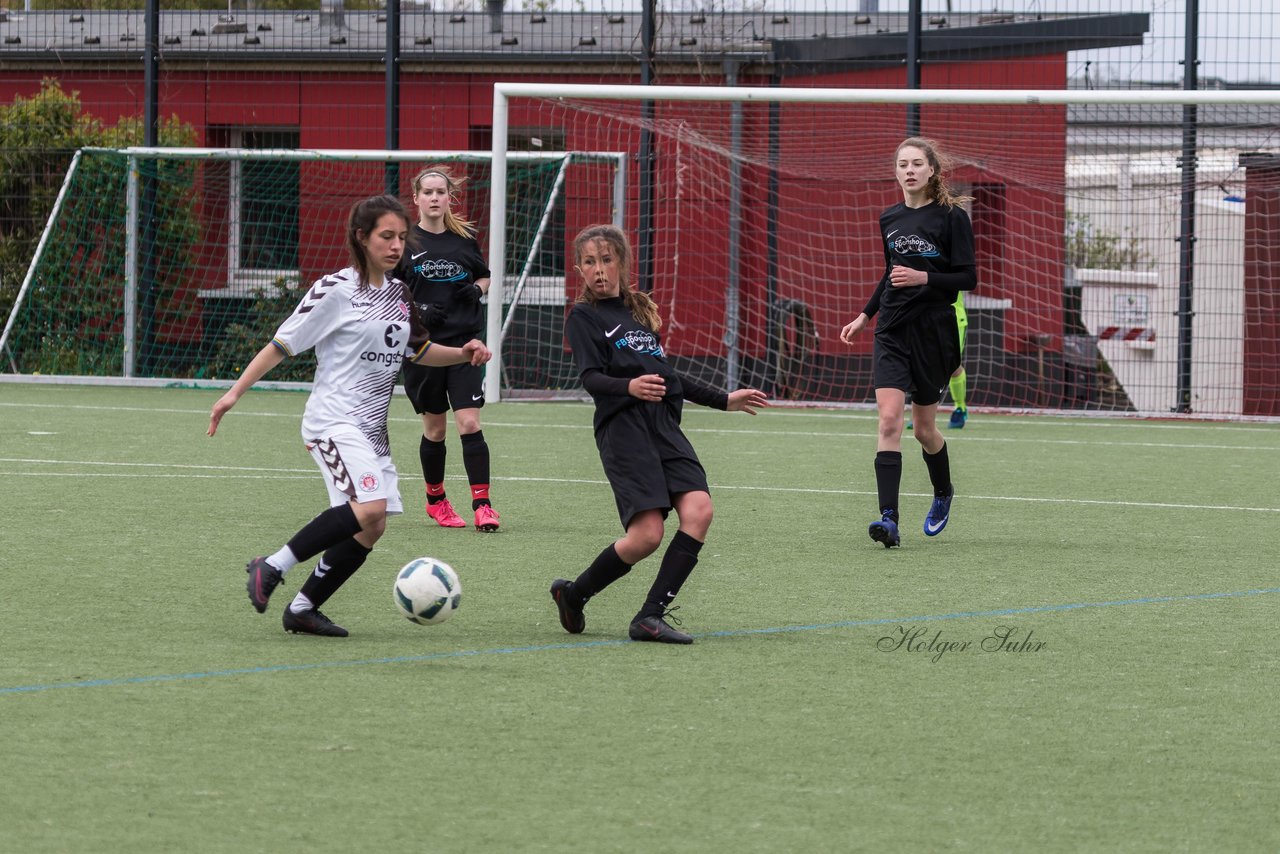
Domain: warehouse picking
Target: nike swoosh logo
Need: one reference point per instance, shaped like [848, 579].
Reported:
[609, 334]
[476, 396]
[419, 255]
[933, 529]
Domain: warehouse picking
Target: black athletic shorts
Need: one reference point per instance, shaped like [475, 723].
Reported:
[437, 390]
[919, 356]
[648, 460]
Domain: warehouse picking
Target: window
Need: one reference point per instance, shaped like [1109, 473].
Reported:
[262, 209]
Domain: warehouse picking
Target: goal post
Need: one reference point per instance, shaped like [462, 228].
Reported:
[235, 233]
[1121, 235]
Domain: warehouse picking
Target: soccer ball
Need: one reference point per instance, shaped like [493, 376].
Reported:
[427, 590]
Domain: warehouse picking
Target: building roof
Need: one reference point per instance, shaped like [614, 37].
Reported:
[808, 41]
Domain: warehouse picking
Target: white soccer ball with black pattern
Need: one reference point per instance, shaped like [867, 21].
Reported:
[427, 591]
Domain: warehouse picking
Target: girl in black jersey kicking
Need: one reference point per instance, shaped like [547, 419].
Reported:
[652, 468]
[928, 252]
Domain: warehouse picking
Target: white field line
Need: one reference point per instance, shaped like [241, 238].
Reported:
[251, 473]
[866, 435]
[1066, 422]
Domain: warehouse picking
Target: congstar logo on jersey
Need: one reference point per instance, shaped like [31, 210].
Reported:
[382, 358]
[393, 337]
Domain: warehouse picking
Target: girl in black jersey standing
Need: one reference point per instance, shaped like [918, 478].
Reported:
[447, 272]
[652, 468]
[929, 258]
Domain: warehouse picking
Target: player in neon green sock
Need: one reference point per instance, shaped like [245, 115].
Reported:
[959, 380]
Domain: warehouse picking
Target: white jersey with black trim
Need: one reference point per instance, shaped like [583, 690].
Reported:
[360, 335]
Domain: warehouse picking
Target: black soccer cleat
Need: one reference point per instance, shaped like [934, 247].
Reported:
[656, 629]
[571, 616]
[312, 623]
[263, 579]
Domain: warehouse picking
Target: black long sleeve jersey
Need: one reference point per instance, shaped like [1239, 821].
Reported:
[436, 267]
[935, 238]
[611, 348]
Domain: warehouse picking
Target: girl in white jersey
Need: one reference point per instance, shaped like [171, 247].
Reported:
[362, 325]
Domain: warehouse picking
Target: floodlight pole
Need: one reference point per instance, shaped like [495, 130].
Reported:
[391, 171]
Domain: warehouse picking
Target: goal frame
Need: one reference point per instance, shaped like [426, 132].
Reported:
[387, 156]
[504, 93]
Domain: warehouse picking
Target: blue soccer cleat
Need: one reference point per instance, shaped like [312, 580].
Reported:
[958, 417]
[884, 531]
[939, 513]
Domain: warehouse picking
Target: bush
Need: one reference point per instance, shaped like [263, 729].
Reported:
[1094, 248]
[242, 340]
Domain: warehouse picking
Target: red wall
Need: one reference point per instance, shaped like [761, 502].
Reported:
[1002, 149]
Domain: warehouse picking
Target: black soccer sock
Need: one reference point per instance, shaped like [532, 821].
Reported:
[336, 565]
[939, 471]
[607, 568]
[475, 458]
[432, 456]
[328, 529]
[678, 562]
[888, 482]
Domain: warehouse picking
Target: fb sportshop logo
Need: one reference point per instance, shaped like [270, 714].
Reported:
[440, 270]
[640, 340]
[393, 338]
[913, 245]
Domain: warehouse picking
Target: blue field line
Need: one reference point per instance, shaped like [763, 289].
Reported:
[728, 633]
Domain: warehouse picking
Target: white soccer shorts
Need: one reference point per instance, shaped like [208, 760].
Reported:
[351, 469]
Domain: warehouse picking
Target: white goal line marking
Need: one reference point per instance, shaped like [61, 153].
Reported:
[1070, 421]
[232, 472]
[820, 434]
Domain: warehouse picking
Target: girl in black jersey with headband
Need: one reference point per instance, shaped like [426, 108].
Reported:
[652, 468]
[929, 259]
[447, 272]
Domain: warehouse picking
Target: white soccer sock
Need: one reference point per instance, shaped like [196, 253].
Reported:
[283, 560]
[300, 603]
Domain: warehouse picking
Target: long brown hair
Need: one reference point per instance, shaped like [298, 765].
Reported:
[453, 222]
[641, 306]
[361, 223]
[937, 189]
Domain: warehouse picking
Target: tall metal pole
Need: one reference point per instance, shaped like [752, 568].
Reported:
[771, 238]
[392, 170]
[644, 228]
[733, 296]
[915, 17]
[1187, 225]
[145, 360]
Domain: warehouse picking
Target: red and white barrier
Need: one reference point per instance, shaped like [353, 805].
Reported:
[1128, 333]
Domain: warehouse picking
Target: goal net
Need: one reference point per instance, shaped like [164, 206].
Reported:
[1125, 239]
[179, 264]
